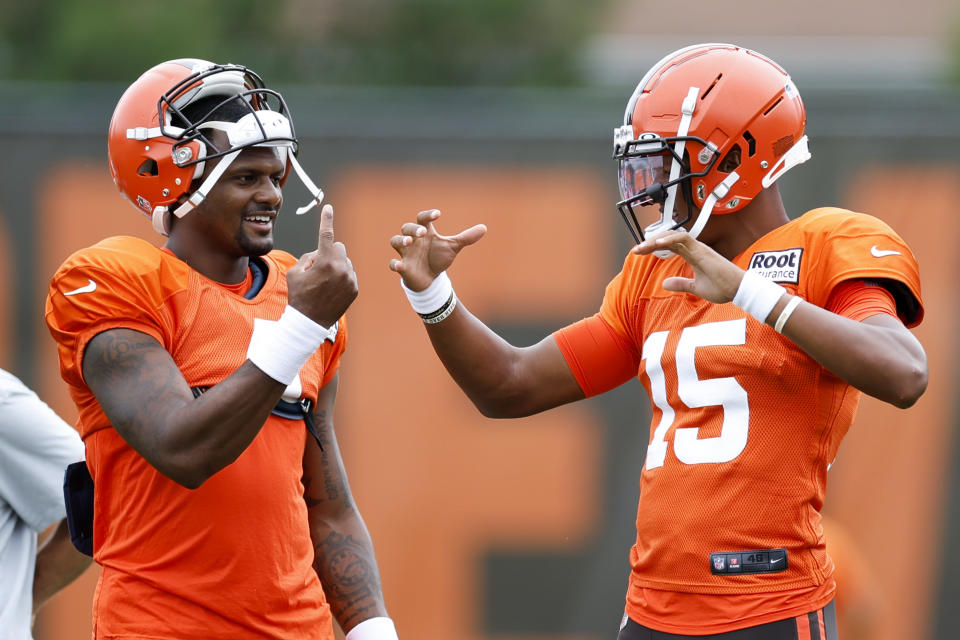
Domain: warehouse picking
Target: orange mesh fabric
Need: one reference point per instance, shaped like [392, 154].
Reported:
[233, 558]
[744, 423]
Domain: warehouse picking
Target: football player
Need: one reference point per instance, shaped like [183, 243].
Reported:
[205, 374]
[754, 335]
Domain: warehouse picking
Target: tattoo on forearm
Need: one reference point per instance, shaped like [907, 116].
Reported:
[349, 575]
[334, 479]
[331, 480]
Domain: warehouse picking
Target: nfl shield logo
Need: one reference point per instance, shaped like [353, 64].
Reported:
[719, 563]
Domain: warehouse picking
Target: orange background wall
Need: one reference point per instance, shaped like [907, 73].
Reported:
[437, 483]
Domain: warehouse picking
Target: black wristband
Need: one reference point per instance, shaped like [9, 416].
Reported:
[443, 312]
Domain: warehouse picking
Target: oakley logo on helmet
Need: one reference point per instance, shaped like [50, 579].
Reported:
[621, 136]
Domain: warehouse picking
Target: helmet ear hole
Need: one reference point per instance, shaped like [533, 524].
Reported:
[148, 168]
[730, 161]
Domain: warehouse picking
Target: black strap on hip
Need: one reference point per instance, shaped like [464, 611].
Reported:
[78, 499]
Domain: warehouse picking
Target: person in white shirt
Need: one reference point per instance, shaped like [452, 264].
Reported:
[36, 446]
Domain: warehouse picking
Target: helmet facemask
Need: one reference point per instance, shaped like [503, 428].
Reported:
[217, 88]
[652, 171]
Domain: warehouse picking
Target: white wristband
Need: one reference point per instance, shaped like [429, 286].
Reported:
[279, 348]
[433, 297]
[374, 629]
[785, 314]
[757, 295]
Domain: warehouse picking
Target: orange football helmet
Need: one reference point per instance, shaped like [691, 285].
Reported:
[720, 122]
[156, 151]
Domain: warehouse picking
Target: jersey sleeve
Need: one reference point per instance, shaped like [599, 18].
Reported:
[599, 350]
[35, 448]
[599, 359]
[858, 246]
[107, 287]
[860, 299]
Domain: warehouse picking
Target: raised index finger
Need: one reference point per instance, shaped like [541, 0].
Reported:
[325, 238]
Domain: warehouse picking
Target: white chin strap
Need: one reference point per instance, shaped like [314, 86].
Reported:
[665, 223]
[686, 108]
[314, 190]
[718, 193]
[256, 129]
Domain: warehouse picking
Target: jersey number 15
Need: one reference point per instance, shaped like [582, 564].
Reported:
[695, 393]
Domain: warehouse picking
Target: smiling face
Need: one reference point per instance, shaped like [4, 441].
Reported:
[239, 213]
[236, 219]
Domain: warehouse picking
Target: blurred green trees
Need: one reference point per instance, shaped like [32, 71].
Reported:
[419, 42]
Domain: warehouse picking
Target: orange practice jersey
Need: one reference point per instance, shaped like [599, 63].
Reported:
[744, 423]
[233, 558]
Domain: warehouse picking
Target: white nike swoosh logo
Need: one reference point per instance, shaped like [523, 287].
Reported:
[776, 561]
[880, 253]
[332, 332]
[90, 287]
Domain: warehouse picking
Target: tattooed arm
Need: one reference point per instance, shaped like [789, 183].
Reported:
[344, 558]
[149, 403]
